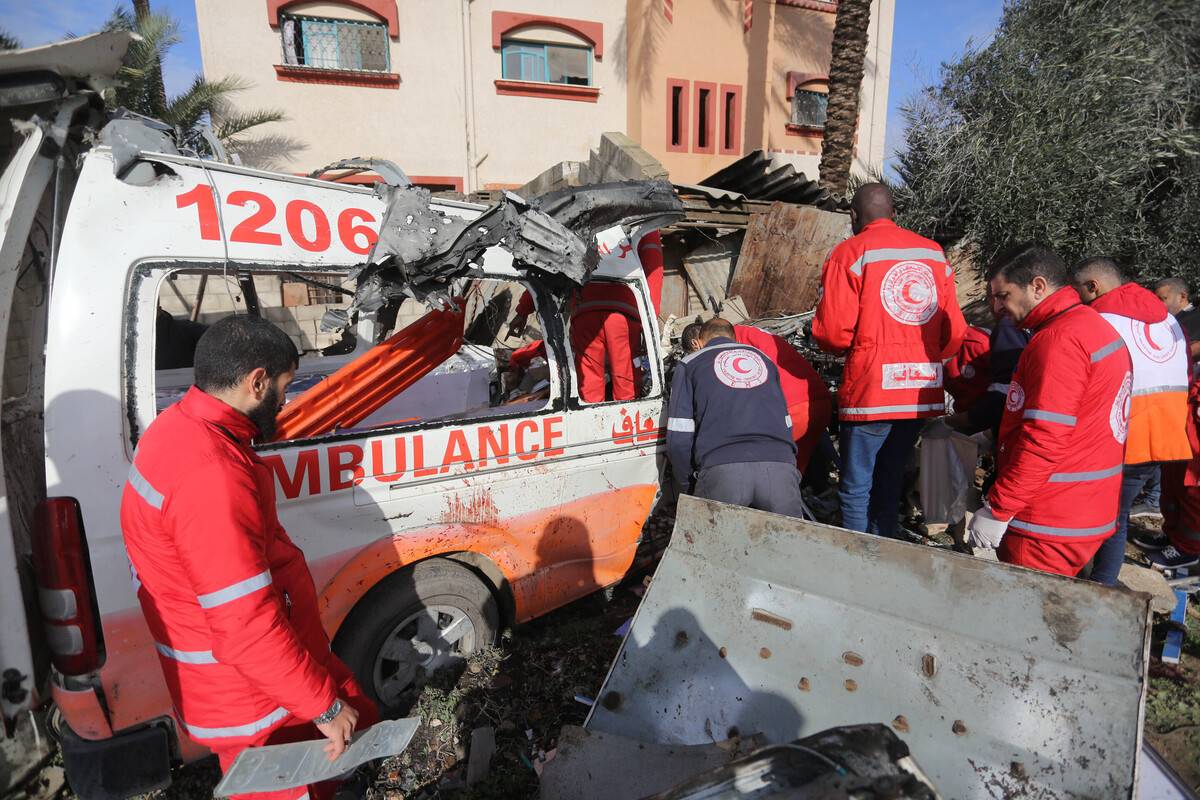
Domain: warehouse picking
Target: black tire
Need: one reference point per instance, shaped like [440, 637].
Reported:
[384, 618]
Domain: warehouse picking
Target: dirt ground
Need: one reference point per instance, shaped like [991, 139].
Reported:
[541, 676]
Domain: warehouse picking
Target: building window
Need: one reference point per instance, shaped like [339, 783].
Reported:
[731, 119]
[677, 115]
[808, 108]
[706, 106]
[341, 44]
[545, 63]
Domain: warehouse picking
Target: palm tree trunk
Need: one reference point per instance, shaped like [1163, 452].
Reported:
[155, 87]
[850, 33]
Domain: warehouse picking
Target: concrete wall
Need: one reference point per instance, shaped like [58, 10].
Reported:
[223, 296]
[445, 118]
[708, 42]
[519, 137]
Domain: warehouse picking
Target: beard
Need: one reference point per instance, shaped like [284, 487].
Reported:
[264, 415]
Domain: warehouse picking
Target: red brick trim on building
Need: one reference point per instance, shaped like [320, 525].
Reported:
[552, 91]
[796, 79]
[505, 22]
[337, 77]
[747, 15]
[734, 145]
[669, 10]
[828, 6]
[384, 9]
[709, 126]
[684, 117]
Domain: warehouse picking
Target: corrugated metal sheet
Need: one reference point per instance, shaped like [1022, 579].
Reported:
[755, 177]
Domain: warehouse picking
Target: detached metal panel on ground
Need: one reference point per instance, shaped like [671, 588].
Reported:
[1004, 682]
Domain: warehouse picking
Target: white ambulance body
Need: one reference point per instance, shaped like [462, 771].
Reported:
[488, 514]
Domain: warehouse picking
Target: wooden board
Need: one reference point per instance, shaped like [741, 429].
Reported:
[779, 270]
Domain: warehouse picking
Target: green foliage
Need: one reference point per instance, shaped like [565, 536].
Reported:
[1076, 126]
[205, 102]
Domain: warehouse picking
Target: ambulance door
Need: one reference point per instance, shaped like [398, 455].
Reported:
[611, 479]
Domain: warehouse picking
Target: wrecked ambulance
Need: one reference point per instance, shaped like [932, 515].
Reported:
[448, 507]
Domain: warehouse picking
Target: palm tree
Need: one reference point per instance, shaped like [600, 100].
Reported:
[203, 103]
[850, 33]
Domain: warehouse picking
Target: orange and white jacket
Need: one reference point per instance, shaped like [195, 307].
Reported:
[1159, 351]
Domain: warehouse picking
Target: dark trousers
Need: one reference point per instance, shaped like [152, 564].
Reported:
[766, 485]
[874, 457]
[1106, 565]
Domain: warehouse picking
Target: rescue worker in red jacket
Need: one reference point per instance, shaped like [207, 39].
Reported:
[808, 401]
[1066, 418]
[888, 301]
[1158, 348]
[227, 596]
[606, 327]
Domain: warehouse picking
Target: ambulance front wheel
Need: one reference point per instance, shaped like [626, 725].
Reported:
[430, 616]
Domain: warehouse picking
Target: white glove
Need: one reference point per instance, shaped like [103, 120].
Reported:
[985, 530]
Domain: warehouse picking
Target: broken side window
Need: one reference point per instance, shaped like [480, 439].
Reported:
[191, 300]
[463, 364]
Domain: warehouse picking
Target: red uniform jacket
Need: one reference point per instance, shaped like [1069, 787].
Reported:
[968, 372]
[1066, 418]
[801, 383]
[227, 596]
[888, 297]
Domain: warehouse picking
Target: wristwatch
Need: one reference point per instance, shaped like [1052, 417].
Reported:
[329, 715]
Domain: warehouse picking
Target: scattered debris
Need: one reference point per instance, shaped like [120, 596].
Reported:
[483, 747]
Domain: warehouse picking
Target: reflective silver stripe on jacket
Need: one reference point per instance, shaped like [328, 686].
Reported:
[186, 656]
[787, 420]
[649, 246]
[681, 425]
[898, 254]
[1053, 531]
[249, 729]
[1002, 388]
[607, 305]
[1049, 416]
[710, 348]
[235, 590]
[1157, 389]
[144, 489]
[895, 409]
[1080, 477]
[1108, 350]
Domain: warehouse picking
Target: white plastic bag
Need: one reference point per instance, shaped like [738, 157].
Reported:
[948, 461]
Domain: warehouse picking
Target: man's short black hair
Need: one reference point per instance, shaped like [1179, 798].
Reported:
[1174, 284]
[237, 345]
[690, 331]
[1099, 266]
[717, 326]
[1021, 263]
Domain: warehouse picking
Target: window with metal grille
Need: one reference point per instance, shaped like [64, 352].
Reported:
[326, 43]
[808, 108]
[545, 63]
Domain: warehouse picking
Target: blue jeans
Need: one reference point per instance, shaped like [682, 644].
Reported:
[874, 456]
[1152, 491]
[1106, 565]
